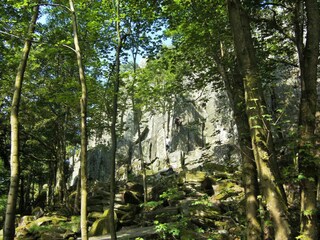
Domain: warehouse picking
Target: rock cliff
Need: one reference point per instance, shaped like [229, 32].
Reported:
[198, 129]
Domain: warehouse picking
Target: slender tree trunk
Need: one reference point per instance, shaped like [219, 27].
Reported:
[138, 114]
[116, 83]
[259, 130]
[308, 59]
[51, 183]
[144, 175]
[9, 224]
[77, 195]
[60, 186]
[235, 91]
[84, 139]
[22, 206]
[28, 187]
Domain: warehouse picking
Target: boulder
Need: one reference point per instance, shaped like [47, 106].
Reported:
[197, 176]
[130, 197]
[37, 212]
[228, 189]
[46, 227]
[206, 186]
[135, 187]
[25, 220]
[102, 225]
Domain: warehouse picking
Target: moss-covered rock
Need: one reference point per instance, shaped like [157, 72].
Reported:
[102, 225]
[25, 220]
[197, 176]
[37, 212]
[95, 215]
[48, 227]
[227, 189]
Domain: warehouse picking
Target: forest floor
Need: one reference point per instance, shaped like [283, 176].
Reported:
[129, 233]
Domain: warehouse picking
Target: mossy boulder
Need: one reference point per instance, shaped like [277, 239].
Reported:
[37, 212]
[95, 215]
[197, 176]
[102, 225]
[47, 227]
[228, 189]
[25, 220]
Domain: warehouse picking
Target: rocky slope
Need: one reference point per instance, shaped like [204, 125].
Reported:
[193, 181]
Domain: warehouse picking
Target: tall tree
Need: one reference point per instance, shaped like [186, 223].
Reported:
[216, 56]
[139, 20]
[308, 61]
[259, 129]
[9, 226]
[116, 83]
[84, 140]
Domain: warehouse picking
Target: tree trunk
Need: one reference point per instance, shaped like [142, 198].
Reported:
[78, 192]
[259, 130]
[116, 82]
[9, 224]
[144, 175]
[51, 183]
[22, 202]
[84, 139]
[60, 186]
[235, 91]
[308, 61]
[138, 116]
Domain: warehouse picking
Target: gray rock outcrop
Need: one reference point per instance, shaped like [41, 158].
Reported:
[205, 133]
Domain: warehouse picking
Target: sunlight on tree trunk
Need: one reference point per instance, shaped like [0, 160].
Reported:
[84, 140]
[308, 61]
[9, 225]
[259, 128]
[235, 91]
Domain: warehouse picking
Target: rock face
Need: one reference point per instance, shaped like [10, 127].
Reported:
[199, 128]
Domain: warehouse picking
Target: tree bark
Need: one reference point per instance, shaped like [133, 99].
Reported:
[60, 186]
[308, 62]
[259, 130]
[116, 83]
[235, 91]
[9, 224]
[138, 116]
[84, 139]
[144, 174]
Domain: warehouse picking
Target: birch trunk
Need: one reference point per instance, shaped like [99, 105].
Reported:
[9, 224]
[84, 139]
